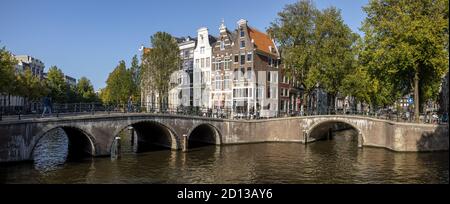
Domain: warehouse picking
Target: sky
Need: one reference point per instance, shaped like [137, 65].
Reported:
[90, 37]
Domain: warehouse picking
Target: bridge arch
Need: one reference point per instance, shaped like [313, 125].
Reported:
[204, 134]
[80, 143]
[151, 135]
[319, 130]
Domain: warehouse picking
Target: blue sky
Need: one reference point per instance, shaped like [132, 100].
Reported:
[89, 37]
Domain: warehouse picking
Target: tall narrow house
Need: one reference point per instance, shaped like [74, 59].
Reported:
[222, 71]
[202, 69]
[256, 66]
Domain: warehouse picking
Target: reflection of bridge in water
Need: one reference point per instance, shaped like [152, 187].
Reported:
[96, 135]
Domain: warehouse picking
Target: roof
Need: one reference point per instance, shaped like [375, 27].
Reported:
[262, 41]
[146, 50]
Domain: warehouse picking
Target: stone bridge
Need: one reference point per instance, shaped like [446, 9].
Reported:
[96, 134]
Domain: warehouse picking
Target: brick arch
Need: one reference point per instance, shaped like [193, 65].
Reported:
[67, 129]
[361, 135]
[217, 133]
[175, 138]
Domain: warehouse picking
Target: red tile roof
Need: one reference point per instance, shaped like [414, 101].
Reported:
[147, 50]
[262, 41]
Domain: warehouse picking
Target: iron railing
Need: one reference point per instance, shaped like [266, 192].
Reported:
[35, 110]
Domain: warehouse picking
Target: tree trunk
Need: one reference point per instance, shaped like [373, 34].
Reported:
[416, 97]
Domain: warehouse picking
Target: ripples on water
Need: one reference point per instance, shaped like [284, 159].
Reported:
[335, 161]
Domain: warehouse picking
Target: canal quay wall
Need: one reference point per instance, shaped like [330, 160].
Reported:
[19, 138]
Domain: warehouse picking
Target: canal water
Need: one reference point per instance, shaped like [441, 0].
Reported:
[333, 161]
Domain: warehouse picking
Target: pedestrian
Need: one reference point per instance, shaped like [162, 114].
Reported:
[47, 106]
[130, 104]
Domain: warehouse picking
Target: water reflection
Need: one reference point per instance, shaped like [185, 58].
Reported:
[335, 161]
[51, 151]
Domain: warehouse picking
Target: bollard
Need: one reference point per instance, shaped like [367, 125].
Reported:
[185, 143]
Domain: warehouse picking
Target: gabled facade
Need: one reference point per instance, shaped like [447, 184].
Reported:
[202, 69]
[181, 81]
[256, 72]
[222, 71]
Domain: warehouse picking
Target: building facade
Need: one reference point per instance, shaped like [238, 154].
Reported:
[181, 81]
[28, 62]
[222, 71]
[24, 62]
[202, 69]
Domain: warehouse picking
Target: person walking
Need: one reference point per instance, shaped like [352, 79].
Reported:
[130, 104]
[47, 106]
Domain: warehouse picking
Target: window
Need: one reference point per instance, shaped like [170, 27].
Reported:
[202, 62]
[249, 57]
[222, 45]
[270, 61]
[227, 64]
[202, 50]
[227, 82]
[207, 62]
[236, 59]
[197, 62]
[242, 44]
[242, 72]
[218, 83]
[242, 33]
[242, 59]
[275, 77]
[249, 73]
[268, 76]
[186, 53]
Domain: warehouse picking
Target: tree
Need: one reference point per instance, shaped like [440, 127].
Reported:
[159, 64]
[57, 85]
[119, 85]
[31, 87]
[85, 90]
[135, 70]
[293, 30]
[334, 56]
[406, 46]
[317, 48]
[7, 70]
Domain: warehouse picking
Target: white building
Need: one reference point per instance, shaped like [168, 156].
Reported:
[28, 62]
[202, 69]
[181, 81]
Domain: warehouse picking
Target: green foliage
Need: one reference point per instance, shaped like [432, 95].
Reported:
[29, 86]
[57, 85]
[119, 86]
[7, 70]
[160, 63]
[404, 38]
[85, 90]
[293, 30]
[135, 70]
[316, 46]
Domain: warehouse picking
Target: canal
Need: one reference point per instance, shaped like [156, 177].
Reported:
[330, 161]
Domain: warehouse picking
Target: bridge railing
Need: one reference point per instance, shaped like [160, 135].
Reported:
[73, 109]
